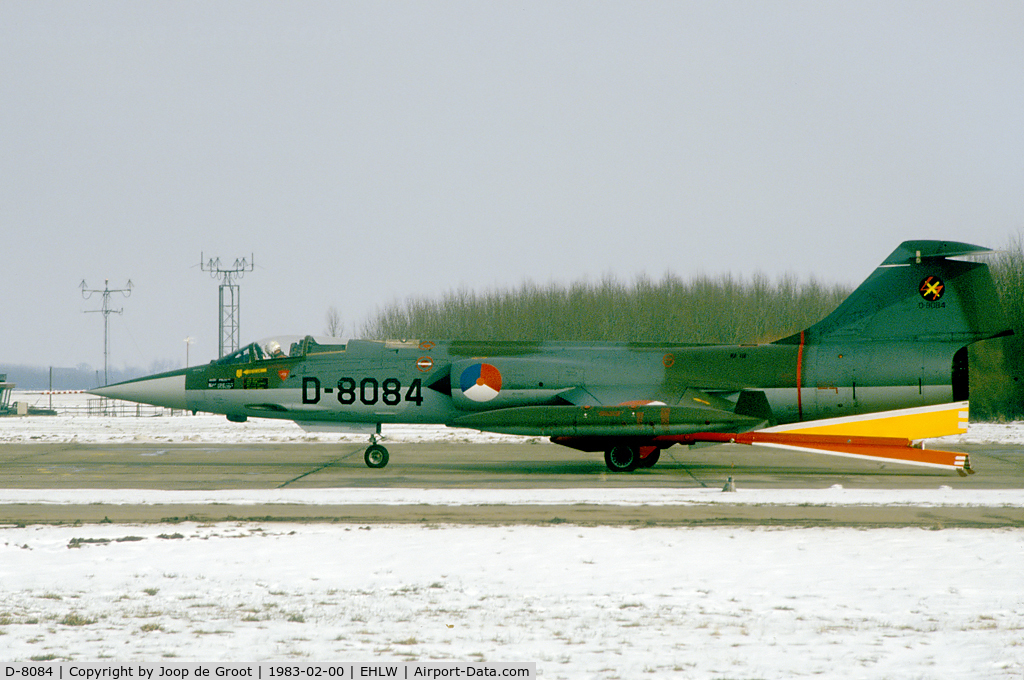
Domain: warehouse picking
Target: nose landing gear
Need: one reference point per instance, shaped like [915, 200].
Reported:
[376, 456]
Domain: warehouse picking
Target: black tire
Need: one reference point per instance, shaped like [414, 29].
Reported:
[376, 456]
[621, 458]
[651, 460]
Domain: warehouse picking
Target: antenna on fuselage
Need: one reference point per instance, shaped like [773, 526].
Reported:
[230, 301]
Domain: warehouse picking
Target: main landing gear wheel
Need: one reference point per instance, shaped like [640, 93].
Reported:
[376, 456]
[651, 460]
[622, 458]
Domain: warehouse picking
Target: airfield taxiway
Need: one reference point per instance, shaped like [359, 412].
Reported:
[454, 465]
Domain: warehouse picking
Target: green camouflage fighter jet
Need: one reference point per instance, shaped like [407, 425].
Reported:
[886, 369]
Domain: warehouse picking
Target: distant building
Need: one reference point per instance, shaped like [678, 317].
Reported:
[6, 389]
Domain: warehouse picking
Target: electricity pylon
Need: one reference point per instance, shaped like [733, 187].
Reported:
[106, 311]
[230, 302]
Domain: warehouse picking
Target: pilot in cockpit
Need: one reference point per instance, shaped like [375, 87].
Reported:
[274, 349]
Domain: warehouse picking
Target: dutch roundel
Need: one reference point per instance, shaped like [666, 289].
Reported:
[480, 382]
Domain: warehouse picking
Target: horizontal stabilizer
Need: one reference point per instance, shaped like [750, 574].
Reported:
[910, 252]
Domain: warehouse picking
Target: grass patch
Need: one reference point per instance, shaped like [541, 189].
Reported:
[75, 619]
[79, 542]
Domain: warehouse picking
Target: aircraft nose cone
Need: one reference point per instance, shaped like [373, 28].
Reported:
[167, 391]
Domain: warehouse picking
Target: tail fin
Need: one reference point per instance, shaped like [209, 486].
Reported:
[919, 295]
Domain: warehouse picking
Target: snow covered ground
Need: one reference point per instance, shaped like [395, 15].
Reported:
[942, 496]
[582, 602]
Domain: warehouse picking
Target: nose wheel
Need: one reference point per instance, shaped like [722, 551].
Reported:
[376, 456]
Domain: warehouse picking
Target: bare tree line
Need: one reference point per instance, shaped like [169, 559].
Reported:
[723, 309]
[997, 366]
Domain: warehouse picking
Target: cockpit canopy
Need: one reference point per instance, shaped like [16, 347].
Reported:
[281, 347]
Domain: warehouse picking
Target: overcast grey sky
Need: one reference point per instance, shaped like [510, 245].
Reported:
[369, 151]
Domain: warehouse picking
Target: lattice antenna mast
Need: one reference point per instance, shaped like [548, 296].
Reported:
[106, 311]
[230, 301]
